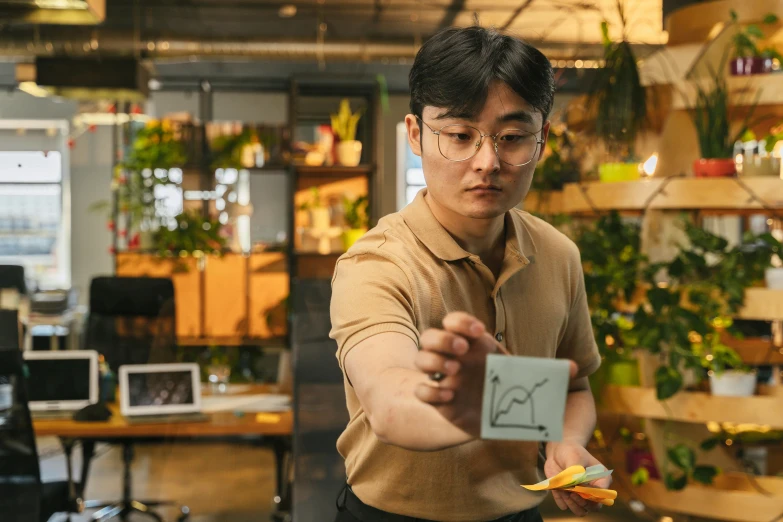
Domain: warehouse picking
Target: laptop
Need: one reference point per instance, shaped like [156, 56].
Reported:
[161, 393]
[59, 383]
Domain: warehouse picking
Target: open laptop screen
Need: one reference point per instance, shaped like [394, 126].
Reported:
[157, 389]
[160, 388]
[61, 380]
[58, 380]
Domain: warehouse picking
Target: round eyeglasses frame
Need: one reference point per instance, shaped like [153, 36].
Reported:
[539, 142]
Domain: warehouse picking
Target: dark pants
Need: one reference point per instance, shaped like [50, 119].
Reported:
[351, 509]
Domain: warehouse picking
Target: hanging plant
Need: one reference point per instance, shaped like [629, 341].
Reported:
[156, 146]
[617, 95]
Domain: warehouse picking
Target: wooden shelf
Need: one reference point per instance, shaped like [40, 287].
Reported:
[231, 341]
[756, 351]
[333, 172]
[731, 497]
[546, 202]
[725, 194]
[762, 304]
[693, 407]
[744, 91]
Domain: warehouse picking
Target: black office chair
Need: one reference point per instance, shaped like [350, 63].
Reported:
[132, 320]
[12, 276]
[23, 498]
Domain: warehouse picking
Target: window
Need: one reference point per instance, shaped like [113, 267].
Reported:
[410, 176]
[31, 208]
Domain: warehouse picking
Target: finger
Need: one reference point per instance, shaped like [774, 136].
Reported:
[435, 340]
[593, 506]
[430, 394]
[431, 362]
[559, 500]
[464, 324]
[575, 508]
[573, 369]
[604, 483]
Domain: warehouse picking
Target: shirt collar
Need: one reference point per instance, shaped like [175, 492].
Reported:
[431, 233]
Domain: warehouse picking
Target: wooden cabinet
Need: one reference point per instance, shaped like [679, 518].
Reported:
[231, 299]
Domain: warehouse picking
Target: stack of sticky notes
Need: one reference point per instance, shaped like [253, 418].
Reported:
[570, 479]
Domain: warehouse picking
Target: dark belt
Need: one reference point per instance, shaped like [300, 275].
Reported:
[348, 501]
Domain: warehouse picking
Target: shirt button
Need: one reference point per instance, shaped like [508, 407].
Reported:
[499, 336]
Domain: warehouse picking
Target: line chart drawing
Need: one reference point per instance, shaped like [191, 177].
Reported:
[503, 404]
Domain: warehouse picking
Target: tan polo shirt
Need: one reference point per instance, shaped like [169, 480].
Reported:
[404, 276]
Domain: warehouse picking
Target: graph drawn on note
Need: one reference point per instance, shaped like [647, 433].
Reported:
[524, 398]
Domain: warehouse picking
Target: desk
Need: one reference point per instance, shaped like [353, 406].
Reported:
[275, 427]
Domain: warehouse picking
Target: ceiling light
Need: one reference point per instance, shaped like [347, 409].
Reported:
[287, 11]
[67, 12]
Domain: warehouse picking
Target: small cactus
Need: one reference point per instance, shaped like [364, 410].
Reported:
[344, 122]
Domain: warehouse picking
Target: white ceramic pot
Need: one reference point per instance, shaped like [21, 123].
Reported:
[349, 153]
[774, 278]
[733, 383]
[319, 218]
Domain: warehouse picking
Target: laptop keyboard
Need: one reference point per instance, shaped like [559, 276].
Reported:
[167, 419]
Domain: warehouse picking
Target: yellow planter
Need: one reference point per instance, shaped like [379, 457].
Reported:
[614, 172]
[351, 236]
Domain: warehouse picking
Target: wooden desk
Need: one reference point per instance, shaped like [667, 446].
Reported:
[275, 428]
[223, 424]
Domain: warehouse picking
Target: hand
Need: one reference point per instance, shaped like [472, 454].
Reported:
[459, 352]
[561, 455]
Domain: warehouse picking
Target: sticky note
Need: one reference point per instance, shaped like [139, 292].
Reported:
[524, 398]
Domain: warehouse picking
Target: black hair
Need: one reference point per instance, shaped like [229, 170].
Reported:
[455, 67]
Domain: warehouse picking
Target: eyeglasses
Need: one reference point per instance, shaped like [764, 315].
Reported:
[459, 142]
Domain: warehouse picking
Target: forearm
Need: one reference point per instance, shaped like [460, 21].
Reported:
[580, 418]
[400, 419]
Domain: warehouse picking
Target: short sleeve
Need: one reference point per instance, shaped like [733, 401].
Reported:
[578, 342]
[371, 294]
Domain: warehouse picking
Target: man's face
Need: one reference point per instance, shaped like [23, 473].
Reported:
[482, 187]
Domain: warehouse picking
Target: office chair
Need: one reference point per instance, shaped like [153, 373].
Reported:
[9, 328]
[131, 321]
[23, 497]
[12, 276]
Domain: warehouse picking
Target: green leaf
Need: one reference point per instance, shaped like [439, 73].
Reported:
[770, 18]
[682, 456]
[711, 443]
[754, 30]
[668, 381]
[734, 16]
[640, 477]
[605, 34]
[675, 483]
[705, 474]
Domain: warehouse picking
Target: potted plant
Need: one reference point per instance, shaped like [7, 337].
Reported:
[729, 375]
[319, 212]
[712, 120]
[192, 234]
[237, 151]
[349, 150]
[749, 59]
[356, 218]
[620, 103]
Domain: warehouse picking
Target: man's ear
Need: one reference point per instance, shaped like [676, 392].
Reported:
[544, 136]
[414, 133]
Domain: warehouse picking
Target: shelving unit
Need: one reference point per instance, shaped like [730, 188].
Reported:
[693, 407]
[687, 193]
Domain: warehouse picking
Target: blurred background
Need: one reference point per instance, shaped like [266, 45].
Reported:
[179, 177]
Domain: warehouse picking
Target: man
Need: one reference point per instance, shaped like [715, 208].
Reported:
[421, 299]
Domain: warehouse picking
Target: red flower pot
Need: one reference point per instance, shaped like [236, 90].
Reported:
[748, 66]
[714, 168]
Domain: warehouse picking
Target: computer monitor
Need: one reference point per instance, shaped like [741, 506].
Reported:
[61, 380]
[160, 389]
